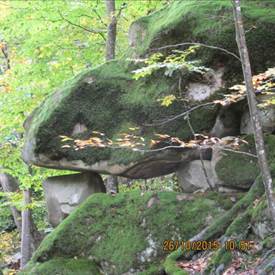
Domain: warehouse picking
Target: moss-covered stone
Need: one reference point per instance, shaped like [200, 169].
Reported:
[240, 170]
[231, 222]
[126, 231]
[62, 266]
[107, 99]
[209, 22]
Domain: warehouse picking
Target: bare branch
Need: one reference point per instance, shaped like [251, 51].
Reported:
[201, 158]
[197, 44]
[4, 50]
[98, 16]
[181, 115]
[238, 152]
[100, 32]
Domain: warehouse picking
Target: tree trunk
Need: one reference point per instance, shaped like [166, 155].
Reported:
[111, 32]
[252, 103]
[10, 184]
[5, 53]
[26, 239]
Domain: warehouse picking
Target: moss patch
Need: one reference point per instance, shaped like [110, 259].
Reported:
[63, 267]
[126, 231]
[210, 22]
[241, 170]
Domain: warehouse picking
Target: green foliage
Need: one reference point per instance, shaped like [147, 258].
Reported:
[167, 183]
[178, 61]
[6, 219]
[63, 267]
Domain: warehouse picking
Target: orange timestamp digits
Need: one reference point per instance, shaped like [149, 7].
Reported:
[171, 245]
[243, 245]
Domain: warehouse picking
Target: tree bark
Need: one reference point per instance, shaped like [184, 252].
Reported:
[26, 239]
[252, 103]
[112, 29]
[10, 184]
[5, 52]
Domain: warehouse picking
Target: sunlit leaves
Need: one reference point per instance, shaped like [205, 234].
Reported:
[167, 100]
[177, 61]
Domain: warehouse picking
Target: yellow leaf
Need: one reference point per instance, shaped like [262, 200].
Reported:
[168, 100]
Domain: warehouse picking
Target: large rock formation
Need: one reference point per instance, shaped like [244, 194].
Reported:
[110, 101]
[107, 99]
[126, 234]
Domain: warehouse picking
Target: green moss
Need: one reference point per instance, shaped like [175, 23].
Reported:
[268, 242]
[63, 267]
[221, 256]
[223, 199]
[6, 219]
[107, 99]
[119, 229]
[257, 212]
[219, 225]
[170, 264]
[239, 226]
[210, 22]
[236, 169]
[241, 170]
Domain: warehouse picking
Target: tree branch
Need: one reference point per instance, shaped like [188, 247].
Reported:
[180, 115]
[100, 32]
[197, 44]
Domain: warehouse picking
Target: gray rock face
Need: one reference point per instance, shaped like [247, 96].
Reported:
[191, 176]
[64, 193]
[267, 117]
[227, 122]
[211, 84]
[227, 171]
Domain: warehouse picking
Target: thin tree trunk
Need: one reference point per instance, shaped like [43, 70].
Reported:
[112, 29]
[26, 239]
[112, 181]
[252, 103]
[10, 184]
[5, 52]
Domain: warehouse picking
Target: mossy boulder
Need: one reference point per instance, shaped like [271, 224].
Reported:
[62, 266]
[211, 23]
[125, 233]
[108, 100]
[237, 170]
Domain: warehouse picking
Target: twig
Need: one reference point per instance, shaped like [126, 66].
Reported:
[100, 32]
[4, 49]
[98, 16]
[238, 152]
[205, 172]
[197, 44]
[201, 159]
[180, 115]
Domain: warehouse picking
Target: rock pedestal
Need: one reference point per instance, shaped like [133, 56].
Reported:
[64, 193]
[192, 177]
